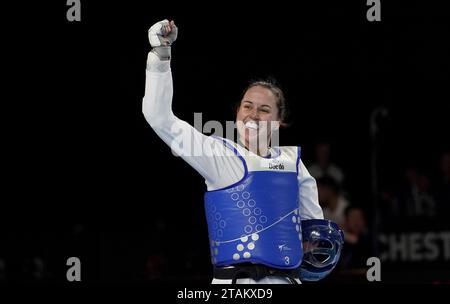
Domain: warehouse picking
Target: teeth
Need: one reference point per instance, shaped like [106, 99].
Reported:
[251, 125]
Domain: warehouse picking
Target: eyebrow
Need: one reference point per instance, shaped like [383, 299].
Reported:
[261, 105]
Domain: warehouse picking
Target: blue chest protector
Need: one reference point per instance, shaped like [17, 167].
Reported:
[257, 219]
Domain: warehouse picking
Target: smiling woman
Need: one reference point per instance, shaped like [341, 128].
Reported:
[262, 109]
[259, 195]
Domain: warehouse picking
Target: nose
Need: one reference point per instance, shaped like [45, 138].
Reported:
[254, 114]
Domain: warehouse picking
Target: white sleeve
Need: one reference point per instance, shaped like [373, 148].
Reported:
[198, 150]
[309, 198]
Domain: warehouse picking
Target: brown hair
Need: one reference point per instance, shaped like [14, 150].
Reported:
[271, 84]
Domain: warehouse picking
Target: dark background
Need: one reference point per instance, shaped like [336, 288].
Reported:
[86, 176]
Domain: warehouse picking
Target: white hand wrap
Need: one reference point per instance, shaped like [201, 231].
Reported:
[161, 36]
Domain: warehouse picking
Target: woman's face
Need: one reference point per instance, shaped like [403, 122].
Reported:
[257, 116]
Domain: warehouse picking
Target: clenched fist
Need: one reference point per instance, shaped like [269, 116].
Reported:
[161, 36]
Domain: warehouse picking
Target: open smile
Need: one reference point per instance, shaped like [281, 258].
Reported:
[252, 125]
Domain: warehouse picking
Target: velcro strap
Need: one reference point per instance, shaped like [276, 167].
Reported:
[163, 52]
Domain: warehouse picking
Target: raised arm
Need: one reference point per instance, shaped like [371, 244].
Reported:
[201, 152]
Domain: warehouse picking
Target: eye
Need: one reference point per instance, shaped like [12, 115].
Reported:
[265, 110]
[246, 106]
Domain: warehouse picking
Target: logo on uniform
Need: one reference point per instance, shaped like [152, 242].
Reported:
[276, 165]
[283, 247]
